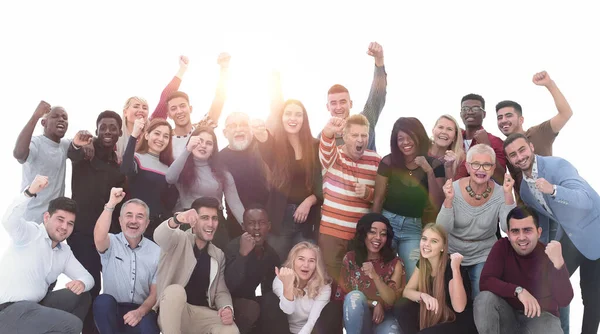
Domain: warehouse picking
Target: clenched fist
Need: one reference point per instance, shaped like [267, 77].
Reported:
[39, 183]
[542, 79]
[554, 252]
[116, 196]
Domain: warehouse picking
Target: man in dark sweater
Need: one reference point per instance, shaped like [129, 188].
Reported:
[245, 165]
[250, 262]
[91, 183]
[523, 282]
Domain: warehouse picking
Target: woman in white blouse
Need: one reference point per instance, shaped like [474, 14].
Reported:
[301, 291]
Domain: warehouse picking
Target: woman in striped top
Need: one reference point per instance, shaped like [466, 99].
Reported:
[145, 163]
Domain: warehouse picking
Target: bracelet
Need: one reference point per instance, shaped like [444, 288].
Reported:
[28, 193]
[108, 208]
[175, 219]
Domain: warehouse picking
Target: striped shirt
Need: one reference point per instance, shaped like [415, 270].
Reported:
[342, 208]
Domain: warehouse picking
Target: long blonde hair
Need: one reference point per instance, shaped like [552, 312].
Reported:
[438, 289]
[122, 142]
[318, 279]
[457, 145]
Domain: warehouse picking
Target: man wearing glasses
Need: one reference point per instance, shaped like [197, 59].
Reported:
[472, 113]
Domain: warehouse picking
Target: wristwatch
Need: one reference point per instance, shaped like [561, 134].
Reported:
[518, 290]
[28, 193]
[374, 303]
[175, 218]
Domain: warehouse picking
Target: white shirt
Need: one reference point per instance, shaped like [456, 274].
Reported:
[30, 264]
[303, 312]
[180, 142]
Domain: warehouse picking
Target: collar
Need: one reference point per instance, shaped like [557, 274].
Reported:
[42, 227]
[534, 172]
[188, 134]
[122, 238]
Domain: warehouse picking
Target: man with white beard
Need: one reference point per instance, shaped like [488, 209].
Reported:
[245, 165]
[129, 266]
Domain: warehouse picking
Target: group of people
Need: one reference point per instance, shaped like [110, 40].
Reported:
[180, 235]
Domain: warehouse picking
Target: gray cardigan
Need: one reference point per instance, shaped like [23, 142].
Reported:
[472, 230]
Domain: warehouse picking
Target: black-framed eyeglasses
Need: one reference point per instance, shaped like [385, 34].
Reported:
[477, 166]
[473, 109]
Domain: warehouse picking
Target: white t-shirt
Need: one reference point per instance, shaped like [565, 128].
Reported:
[179, 143]
[303, 312]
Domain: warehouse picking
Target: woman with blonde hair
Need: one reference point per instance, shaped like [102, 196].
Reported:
[447, 144]
[438, 293]
[301, 290]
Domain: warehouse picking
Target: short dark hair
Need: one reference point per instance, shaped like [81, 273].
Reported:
[206, 202]
[109, 114]
[177, 94]
[64, 204]
[511, 138]
[522, 212]
[474, 97]
[511, 104]
[337, 89]
[255, 206]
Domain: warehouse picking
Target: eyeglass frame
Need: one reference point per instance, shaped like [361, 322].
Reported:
[481, 166]
[466, 109]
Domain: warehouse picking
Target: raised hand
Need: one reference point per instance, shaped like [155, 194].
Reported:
[138, 127]
[207, 122]
[448, 189]
[335, 125]
[544, 186]
[430, 303]
[455, 261]
[193, 143]
[367, 268]
[116, 196]
[259, 130]
[376, 51]
[481, 137]
[449, 158]
[247, 244]
[189, 217]
[542, 79]
[509, 182]
[42, 109]
[554, 252]
[223, 59]
[286, 276]
[39, 183]
[530, 304]
[77, 287]
[183, 62]
[82, 138]
[422, 162]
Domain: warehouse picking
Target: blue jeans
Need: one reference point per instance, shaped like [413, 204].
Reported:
[108, 315]
[407, 237]
[474, 272]
[359, 320]
[290, 235]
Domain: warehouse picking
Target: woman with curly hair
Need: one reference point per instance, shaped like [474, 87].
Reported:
[438, 293]
[197, 172]
[301, 291]
[372, 278]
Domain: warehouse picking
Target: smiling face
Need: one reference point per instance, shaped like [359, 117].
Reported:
[135, 109]
[509, 121]
[292, 118]
[179, 111]
[108, 131]
[444, 132]
[472, 113]
[205, 148]
[477, 168]
[521, 155]
[133, 220]
[238, 132]
[59, 225]
[305, 264]
[376, 237]
[523, 235]
[356, 138]
[56, 123]
[431, 244]
[339, 104]
[208, 221]
[158, 139]
[406, 144]
[256, 222]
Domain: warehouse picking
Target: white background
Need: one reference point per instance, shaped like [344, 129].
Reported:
[92, 57]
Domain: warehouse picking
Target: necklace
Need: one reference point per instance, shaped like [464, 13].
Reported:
[410, 171]
[478, 197]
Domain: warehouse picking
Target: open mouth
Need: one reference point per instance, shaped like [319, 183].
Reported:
[61, 126]
[107, 140]
[426, 250]
[443, 137]
[376, 244]
[359, 148]
[257, 236]
[522, 163]
[209, 231]
[239, 137]
[407, 148]
[305, 272]
[523, 244]
[505, 127]
[158, 144]
[292, 124]
[480, 175]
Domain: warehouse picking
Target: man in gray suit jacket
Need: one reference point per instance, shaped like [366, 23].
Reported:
[569, 210]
